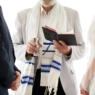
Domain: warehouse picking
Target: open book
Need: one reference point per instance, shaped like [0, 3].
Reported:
[51, 34]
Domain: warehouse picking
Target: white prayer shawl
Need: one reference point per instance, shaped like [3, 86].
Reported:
[50, 67]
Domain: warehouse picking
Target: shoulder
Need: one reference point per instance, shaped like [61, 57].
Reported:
[22, 15]
[25, 11]
[71, 12]
[72, 15]
[91, 31]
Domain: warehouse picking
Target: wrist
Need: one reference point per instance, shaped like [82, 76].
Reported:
[68, 55]
[28, 56]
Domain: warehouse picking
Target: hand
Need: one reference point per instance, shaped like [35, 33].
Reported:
[16, 83]
[82, 91]
[62, 47]
[31, 47]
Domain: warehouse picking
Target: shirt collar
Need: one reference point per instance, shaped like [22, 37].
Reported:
[51, 11]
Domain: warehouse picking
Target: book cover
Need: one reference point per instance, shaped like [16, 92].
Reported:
[51, 34]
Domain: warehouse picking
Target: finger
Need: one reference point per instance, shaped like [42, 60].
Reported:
[62, 43]
[15, 85]
[65, 46]
[14, 88]
[30, 46]
[17, 73]
[17, 80]
[56, 43]
[32, 43]
[31, 49]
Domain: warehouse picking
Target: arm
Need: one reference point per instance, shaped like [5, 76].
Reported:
[77, 51]
[72, 52]
[87, 78]
[19, 37]
[7, 57]
[89, 75]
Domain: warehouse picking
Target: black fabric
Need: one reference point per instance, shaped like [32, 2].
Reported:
[60, 89]
[3, 90]
[38, 90]
[7, 57]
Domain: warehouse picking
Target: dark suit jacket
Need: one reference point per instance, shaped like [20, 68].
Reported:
[7, 57]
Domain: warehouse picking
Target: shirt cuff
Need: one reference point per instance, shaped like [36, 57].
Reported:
[68, 56]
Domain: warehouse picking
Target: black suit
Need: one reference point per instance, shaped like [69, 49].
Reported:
[7, 57]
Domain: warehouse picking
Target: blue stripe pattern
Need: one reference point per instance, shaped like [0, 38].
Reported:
[45, 71]
[45, 68]
[56, 65]
[29, 62]
[48, 50]
[27, 80]
[48, 44]
[56, 62]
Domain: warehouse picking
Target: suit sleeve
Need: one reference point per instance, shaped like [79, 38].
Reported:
[7, 74]
[7, 57]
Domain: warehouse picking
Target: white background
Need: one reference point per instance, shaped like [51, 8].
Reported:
[85, 8]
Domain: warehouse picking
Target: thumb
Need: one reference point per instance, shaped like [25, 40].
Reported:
[17, 74]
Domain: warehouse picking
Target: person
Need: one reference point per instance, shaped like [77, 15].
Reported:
[53, 72]
[9, 74]
[87, 84]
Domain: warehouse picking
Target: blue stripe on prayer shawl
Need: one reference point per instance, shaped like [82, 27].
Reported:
[55, 67]
[28, 77]
[45, 68]
[29, 62]
[56, 62]
[47, 43]
[48, 50]
[27, 80]
[45, 71]
[45, 65]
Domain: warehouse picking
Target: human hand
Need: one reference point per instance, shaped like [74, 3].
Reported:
[16, 83]
[62, 47]
[83, 91]
[32, 46]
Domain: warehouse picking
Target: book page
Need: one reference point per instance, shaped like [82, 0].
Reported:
[69, 32]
